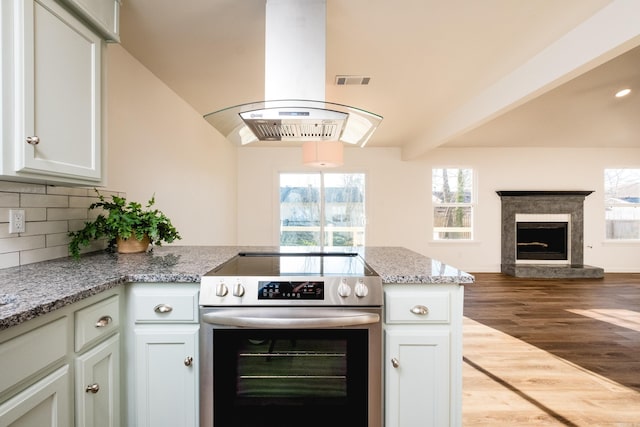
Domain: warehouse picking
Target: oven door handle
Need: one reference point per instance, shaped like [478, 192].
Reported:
[283, 318]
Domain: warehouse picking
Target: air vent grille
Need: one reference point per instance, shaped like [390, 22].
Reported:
[275, 131]
[342, 80]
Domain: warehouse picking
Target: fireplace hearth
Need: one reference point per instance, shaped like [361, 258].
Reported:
[542, 235]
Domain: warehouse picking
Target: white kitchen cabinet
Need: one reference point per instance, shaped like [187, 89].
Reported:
[98, 385]
[44, 404]
[51, 94]
[49, 360]
[102, 15]
[423, 355]
[163, 372]
[97, 366]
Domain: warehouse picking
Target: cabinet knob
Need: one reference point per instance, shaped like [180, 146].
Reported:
[103, 321]
[188, 361]
[395, 362]
[92, 388]
[420, 310]
[33, 140]
[163, 308]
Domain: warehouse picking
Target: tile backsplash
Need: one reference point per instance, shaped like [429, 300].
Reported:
[51, 212]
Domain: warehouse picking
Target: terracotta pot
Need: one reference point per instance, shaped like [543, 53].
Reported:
[132, 245]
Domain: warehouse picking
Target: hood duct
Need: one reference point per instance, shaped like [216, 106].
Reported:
[294, 108]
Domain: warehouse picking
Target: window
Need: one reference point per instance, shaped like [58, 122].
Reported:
[452, 198]
[322, 209]
[622, 203]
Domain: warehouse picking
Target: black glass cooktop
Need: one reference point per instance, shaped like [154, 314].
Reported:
[294, 264]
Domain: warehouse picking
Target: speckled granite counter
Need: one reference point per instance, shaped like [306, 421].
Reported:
[35, 289]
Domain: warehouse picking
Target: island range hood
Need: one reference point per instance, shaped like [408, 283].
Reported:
[294, 108]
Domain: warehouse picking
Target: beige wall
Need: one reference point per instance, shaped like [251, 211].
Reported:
[399, 200]
[158, 144]
[217, 194]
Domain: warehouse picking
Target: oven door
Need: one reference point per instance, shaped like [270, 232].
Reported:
[290, 367]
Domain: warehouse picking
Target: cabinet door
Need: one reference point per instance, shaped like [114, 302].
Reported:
[166, 372]
[97, 385]
[417, 392]
[44, 404]
[58, 88]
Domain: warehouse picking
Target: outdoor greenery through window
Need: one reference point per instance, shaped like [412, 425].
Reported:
[622, 203]
[322, 209]
[452, 196]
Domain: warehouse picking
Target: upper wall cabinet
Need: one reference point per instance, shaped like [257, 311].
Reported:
[51, 93]
[103, 15]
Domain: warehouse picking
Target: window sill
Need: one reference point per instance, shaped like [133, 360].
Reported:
[454, 241]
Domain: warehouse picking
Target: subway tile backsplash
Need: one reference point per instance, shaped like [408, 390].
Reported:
[51, 212]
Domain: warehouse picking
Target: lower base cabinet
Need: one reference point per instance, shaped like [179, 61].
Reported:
[423, 355]
[417, 378]
[98, 385]
[61, 369]
[166, 380]
[162, 372]
[44, 404]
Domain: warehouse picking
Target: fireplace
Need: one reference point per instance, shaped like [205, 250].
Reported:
[542, 234]
[542, 241]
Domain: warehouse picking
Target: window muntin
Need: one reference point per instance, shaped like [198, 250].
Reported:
[322, 209]
[452, 196]
[622, 203]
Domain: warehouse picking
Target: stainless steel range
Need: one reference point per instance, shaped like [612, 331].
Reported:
[291, 339]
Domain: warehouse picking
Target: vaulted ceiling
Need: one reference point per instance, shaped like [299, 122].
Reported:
[452, 73]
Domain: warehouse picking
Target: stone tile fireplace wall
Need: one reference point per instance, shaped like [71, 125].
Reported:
[545, 202]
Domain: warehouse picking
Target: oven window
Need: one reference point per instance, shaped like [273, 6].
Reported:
[290, 377]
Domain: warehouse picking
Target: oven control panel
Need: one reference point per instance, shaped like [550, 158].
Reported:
[290, 290]
[300, 290]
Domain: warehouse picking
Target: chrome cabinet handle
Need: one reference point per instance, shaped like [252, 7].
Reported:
[395, 362]
[92, 388]
[103, 321]
[163, 308]
[33, 140]
[420, 310]
[188, 361]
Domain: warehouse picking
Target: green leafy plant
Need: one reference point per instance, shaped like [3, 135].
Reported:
[123, 219]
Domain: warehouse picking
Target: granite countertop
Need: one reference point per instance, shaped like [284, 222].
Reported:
[32, 290]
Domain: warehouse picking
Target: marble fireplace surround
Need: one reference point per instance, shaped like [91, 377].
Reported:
[545, 202]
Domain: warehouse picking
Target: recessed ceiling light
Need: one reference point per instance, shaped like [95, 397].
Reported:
[623, 92]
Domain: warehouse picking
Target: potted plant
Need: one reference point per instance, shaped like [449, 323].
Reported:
[126, 225]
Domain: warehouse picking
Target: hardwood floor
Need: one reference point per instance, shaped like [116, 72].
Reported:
[540, 352]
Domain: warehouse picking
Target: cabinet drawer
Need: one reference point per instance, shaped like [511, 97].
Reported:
[28, 353]
[416, 307]
[96, 321]
[159, 305]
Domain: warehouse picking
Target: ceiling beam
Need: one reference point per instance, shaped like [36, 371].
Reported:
[607, 34]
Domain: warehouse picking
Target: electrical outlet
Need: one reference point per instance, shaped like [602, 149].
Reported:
[16, 221]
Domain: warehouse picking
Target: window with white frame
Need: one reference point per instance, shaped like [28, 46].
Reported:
[322, 209]
[452, 197]
[622, 203]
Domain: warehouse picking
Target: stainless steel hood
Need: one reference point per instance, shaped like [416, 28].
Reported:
[295, 109]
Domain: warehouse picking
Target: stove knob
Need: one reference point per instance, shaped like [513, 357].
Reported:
[361, 289]
[344, 290]
[221, 289]
[238, 290]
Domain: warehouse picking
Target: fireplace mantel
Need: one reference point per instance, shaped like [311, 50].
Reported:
[568, 202]
[536, 193]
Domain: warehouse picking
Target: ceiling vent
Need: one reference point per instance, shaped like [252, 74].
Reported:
[342, 80]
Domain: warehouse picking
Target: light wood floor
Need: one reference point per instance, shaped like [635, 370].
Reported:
[552, 352]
